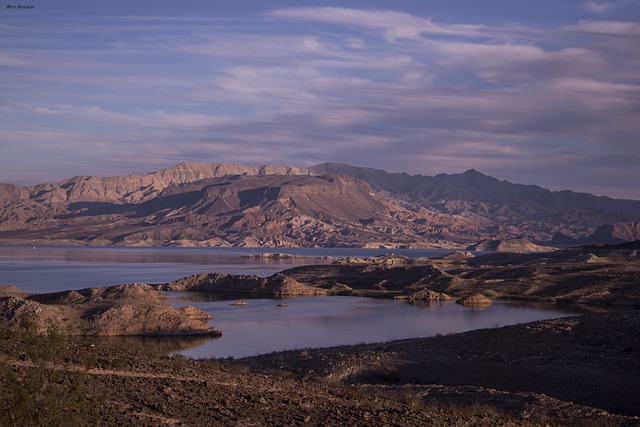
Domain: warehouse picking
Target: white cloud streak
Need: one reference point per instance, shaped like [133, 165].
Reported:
[598, 8]
[620, 28]
[394, 25]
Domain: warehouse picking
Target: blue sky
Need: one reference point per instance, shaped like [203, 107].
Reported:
[544, 92]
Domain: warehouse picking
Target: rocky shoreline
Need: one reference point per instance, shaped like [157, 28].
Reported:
[582, 370]
[122, 310]
[588, 276]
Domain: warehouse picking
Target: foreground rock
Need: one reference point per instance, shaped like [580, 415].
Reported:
[112, 311]
[552, 370]
[580, 371]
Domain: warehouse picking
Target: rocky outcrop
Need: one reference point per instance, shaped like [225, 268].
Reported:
[383, 276]
[594, 275]
[269, 256]
[112, 311]
[11, 291]
[475, 301]
[603, 275]
[425, 295]
[147, 319]
[275, 286]
[386, 259]
[376, 279]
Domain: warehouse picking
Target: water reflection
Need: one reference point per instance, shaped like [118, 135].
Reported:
[155, 346]
[186, 298]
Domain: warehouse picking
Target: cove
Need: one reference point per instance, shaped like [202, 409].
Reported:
[267, 325]
[261, 326]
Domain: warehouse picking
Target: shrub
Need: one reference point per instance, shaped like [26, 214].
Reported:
[41, 389]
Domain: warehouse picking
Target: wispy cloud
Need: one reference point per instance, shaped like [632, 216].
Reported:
[381, 88]
[394, 25]
[598, 8]
[622, 28]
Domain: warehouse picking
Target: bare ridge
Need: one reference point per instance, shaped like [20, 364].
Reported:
[331, 204]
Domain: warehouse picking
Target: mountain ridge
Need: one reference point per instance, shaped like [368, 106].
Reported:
[511, 204]
[204, 204]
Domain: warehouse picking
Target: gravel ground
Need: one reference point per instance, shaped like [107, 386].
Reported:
[582, 371]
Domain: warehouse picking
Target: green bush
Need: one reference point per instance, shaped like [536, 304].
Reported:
[40, 389]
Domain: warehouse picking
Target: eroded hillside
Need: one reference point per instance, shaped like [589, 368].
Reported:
[196, 204]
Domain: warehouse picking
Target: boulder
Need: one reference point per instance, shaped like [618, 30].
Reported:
[475, 300]
[425, 295]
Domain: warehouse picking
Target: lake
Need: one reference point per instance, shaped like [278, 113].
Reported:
[51, 269]
[261, 326]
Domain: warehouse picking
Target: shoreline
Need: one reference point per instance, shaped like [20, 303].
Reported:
[574, 370]
[581, 370]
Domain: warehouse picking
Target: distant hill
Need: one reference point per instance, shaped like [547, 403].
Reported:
[509, 245]
[326, 205]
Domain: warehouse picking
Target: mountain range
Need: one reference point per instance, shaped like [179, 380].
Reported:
[331, 204]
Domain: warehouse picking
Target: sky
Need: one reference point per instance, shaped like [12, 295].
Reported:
[544, 92]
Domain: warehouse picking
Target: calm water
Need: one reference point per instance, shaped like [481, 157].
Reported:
[51, 269]
[261, 326]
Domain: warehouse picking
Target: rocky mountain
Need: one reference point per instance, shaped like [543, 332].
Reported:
[326, 205]
[513, 210]
[133, 188]
[260, 207]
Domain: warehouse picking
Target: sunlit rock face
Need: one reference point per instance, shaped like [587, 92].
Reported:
[196, 204]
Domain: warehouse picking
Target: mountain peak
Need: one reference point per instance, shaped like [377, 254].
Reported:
[473, 172]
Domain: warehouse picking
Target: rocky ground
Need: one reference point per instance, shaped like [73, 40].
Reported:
[575, 371]
[579, 371]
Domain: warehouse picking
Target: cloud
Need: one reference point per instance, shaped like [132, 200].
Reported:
[379, 88]
[598, 8]
[394, 25]
[620, 28]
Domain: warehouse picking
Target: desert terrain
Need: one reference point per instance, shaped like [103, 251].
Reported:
[327, 205]
[580, 370]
